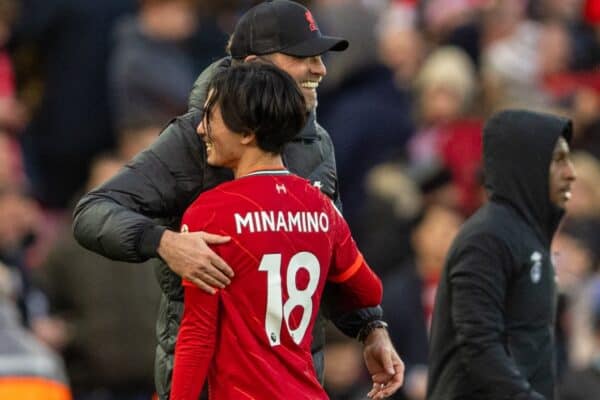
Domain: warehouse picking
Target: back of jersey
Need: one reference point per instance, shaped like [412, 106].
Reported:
[284, 234]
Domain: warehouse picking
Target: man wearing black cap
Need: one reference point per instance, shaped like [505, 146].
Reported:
[492, 334]
[133, 216]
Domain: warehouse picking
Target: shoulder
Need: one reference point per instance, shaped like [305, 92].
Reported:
[482, 231]
[322, 133]
[178, 151]
[199, 90]
[191, 119]
[218, 196]
[204, 210]
[304, 185]
[180, 130]
[494, 221]
[319, 129]
[487, 235]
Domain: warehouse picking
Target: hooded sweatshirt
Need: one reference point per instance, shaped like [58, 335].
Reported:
[492, 335]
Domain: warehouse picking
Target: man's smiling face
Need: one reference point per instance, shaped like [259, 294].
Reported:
[306, 71]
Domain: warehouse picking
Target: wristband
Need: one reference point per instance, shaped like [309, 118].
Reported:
[366, 330]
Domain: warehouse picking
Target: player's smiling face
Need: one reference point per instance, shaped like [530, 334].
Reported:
[223, 146]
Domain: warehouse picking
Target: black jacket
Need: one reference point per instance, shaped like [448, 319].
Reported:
[492, 335]
[124, 218]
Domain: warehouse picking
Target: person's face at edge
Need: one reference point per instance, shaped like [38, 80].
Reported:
[306, 71]
[223, 147]
[562, 174]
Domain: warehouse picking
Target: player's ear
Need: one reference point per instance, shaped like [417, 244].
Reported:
[248, 138]
[250, 57]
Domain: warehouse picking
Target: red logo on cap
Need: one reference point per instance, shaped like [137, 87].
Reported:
[312, 25]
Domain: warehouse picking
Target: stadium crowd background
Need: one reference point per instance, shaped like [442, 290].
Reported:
[85, 85]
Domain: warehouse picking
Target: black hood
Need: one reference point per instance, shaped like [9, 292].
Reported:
[517, 152]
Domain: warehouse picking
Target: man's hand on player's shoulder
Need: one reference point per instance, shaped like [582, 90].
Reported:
[190, 257]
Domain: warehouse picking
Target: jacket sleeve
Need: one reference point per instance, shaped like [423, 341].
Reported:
[124, 218]
[478, 281]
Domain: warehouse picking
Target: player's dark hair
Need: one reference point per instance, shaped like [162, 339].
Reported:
[259, 98]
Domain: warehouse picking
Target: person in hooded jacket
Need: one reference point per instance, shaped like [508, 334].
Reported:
[134, 216]
[492, 334]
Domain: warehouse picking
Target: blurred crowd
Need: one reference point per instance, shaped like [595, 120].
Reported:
[85, 85]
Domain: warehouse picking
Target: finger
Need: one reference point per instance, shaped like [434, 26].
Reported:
[203, 286]
[214, 239]
[384, 394]
[393, 385]
[222, 267]
[377, 396]
[217, 264]
[399, 373]
[208, 277]
[372, 393]
[375, 390]
[387, 362]
[398, 365]
[381, 377]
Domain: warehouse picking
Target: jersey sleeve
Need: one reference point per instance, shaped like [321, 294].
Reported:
[359, 284]
[195, 343]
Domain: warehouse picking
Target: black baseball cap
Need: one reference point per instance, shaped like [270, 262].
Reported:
[281, 26]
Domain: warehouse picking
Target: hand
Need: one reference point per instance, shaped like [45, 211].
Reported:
[384, 364]
[188, 255]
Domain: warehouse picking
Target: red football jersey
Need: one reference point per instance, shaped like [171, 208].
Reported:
[253, 338]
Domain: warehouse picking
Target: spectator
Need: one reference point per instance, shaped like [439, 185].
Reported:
[12, 112]
[576, 251]
[344, 372]
[72, 122]
[21, 218]
[409, 293]
[29, 370]
[586, 190]
[583, 383]
[508, 38]
[367, 112]
[494, 315]
[102, 314]
[151, 70]
[400, 44]
[448, 134]
[394, 202]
